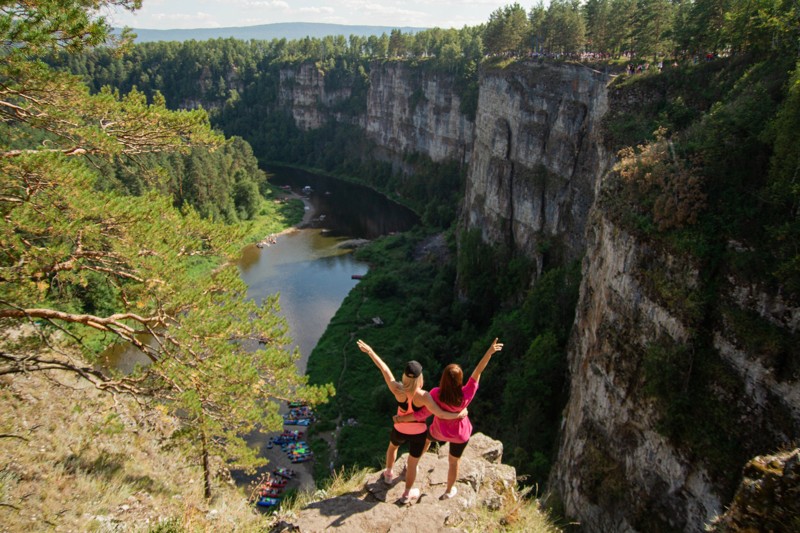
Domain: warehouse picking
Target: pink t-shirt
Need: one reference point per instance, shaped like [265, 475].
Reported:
[454, 430]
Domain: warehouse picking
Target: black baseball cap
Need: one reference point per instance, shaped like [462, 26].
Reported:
[413, 369]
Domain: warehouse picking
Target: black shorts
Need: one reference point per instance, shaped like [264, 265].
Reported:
[456, 448]
[416, 442]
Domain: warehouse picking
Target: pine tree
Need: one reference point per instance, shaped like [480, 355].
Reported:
[83, 267]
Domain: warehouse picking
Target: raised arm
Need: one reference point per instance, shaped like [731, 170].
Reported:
[387, 374]
[495, 347]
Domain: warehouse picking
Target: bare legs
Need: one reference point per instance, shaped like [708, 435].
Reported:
[452, 475]
[411, 473]
[391, 455]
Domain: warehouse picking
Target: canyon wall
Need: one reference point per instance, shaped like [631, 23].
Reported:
[534, 150]
[407, 110]
[627, 461]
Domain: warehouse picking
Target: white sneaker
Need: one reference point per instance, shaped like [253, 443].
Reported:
[448, 495]
[410, 497]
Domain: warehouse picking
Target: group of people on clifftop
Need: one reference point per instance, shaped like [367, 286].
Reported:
[447, 403]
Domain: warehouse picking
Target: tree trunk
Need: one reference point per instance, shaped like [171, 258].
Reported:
[206, 471]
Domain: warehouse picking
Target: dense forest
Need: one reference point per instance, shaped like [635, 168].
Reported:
[724, 81]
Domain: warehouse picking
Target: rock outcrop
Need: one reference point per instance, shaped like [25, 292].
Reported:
[483, 481]
[768, 499]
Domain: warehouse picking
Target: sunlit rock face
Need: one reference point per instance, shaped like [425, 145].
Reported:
[417, 111]
[616, 469]
[302, 91]
[406, 111]
[537, 158]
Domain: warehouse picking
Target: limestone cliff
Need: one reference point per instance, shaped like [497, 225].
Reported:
[302, 91]
[534, 150]
[483, 482]
[537, 157]
[407, 110]
[417, 111]
[617, 468]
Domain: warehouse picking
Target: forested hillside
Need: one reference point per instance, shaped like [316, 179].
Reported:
[101, 245]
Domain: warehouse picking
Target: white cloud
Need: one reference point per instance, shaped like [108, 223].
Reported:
[222, 13]
[317, 10]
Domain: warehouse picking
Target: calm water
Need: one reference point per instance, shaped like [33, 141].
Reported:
[308, 268]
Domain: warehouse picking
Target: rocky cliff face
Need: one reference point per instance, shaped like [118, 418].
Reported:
[535, 150]
[416, 111]
[537, 157]
[407, 110]
[302, 90]
[616, 470]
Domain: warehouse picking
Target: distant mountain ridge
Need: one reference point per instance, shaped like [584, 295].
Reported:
[267, 32]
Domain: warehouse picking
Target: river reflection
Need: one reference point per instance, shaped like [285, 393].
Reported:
[311, 273]
[308, 267]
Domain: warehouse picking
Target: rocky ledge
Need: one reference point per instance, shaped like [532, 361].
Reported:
[483, 482]
[768, 498]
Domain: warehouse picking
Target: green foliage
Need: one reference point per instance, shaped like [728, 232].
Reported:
[507, 30]
[776, 349]
[690, 383]
[427, 323]
[521, 400]
[90, 263]
[783, 190]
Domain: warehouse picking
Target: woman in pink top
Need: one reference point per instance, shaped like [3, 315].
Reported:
[410, 398]
[451, 395]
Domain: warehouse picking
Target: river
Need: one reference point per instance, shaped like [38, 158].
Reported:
[309, 267]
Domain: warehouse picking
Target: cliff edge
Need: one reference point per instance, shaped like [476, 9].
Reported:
[483, 483]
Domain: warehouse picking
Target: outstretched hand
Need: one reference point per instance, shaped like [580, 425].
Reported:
[496, 346]
[363, 346]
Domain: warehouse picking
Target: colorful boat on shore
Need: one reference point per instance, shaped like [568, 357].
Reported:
[270, 493]
[286, 473]
[268, 502]
[297, 421]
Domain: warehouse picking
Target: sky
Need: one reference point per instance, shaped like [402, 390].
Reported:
[186, 14]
